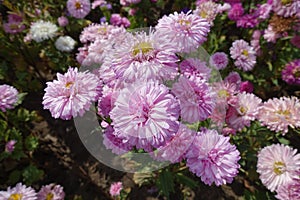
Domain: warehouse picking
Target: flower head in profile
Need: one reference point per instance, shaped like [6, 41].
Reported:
[79, 8]
[19, 192]
[116, 188]
[175, 149]
[51, 191]
[196, 98]
[243, 54]
[290, 190]
[8, 97]
[14, 24]
[185, 31]
[213, 158]
[279, 114]
[277, 165]
[207, 10]
[65, 43]
[42, 30]
[72, 94]
[10, 146]
[291, 72]
[146, 114]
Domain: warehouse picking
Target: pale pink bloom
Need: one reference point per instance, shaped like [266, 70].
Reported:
[10, 146]
[224, 8]
[212, 158]
[194, 66]
[146, 114]
[79, 8]
[286, 8]
[219, 60]
[72, 94]
[279, 114]
[145, 57]
[115, 189]
[270, 35]
[62, 21]
[185, 31]
[263, 11]
[207, 10]
[82, 54]
[290, 191]
[97, 3]
[245, 111]
[243, 54]
[97, 52]
[175, 149]
[277, 165]
[8, 97]
[196, 98]
[20, 191]
[51, 192]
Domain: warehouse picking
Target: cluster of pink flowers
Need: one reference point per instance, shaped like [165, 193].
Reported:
[20, 191]
[8, 97]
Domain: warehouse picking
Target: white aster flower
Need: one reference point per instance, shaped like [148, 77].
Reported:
[65, 43]
[42, 30]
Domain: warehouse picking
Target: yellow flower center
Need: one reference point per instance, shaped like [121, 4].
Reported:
[49, 196]
[223, 93]
[184, 22]
[144, 47]
[77, 5]
[245, 52]
[279, 168]
[284, 112]
[13, 26]
[69, 84]
[286, 2]
[296, 72]
[203, 14]
[243, 110]
[102, 30]
[15, 196]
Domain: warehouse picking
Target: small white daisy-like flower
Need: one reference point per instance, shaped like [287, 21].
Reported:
[65, 43]
[42, 30]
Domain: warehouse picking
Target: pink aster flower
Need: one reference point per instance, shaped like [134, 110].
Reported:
[14, 24]
[289, 191]
[279, 114]
[213, 158]
[116, 188]
[175, 149]
[245, 111]
[263, 11]
[291, 72]
[296, 41]
[116, 19]
[118, 145]
[246, 86]
[147, 114]
[97, 3]
[8, 97]
[194, 66]
[20, 191]
[10, 146]
[277, 165]
[207, 10]
[236, 11]
[62, 21]
[234, 78]
[286, 8]
[247, 21]
[82, 54]
[145, 57]
[196, 98]
[72, 94]
[185, 31]
[243, 54]
[270, 35]
[219, 60]
[79, 8]
[51, 191]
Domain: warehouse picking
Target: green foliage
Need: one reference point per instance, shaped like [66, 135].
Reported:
[32, 174]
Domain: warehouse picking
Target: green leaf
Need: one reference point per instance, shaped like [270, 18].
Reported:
[31, 143]
[186, 181]
[32, 174]
[284, 141]
[21, 97]
[166, 183]
[14, 177]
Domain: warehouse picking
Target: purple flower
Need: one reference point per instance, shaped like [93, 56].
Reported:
[289, 191]
[146, 114]
[116, 19]
[185, 31]
[219, 60]
[196, 98]
[236, 11]
[196, 67]
[263, 11]
[8, 97]
[286, 8]
[125, 22]
[79, 8]
[243, 54]
[115, 189]
[277, 165]
[51, 191]
[174, 150]
[20, 191]
[247, 21]
[291, 72]
[207, 10]
[62, 21]
[14, 24]
[10, 146]
[213, 158]
[246, 86]
[72, 94]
